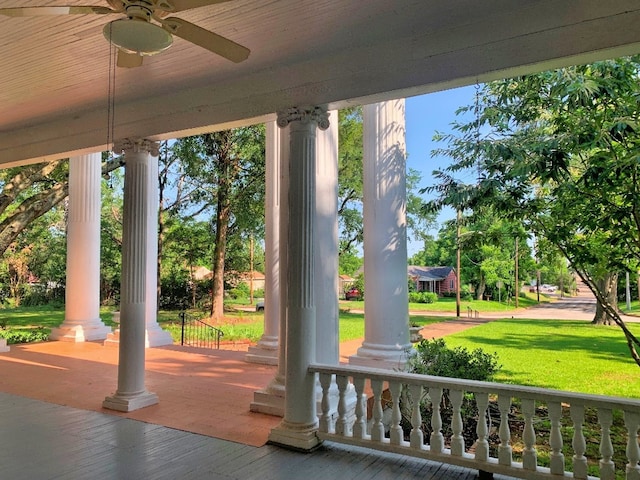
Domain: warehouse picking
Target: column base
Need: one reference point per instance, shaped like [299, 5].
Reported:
[3, 345]
[157, 337]
[153, 338]
[303, 438]
[270, 400]
[129, 403]
[383, 356]
[95, 330]
[265, 352]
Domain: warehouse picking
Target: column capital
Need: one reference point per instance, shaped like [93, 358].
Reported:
[137, 145]
[318, 115]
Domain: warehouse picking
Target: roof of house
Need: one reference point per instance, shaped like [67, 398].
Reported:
[425, 274]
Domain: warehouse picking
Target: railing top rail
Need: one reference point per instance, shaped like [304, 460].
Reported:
[519, 391]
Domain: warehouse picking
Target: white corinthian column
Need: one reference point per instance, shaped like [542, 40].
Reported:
[386, 306]
[298, 428]
[131, 393]
[266, 350]
[270, 400]
[82, 306]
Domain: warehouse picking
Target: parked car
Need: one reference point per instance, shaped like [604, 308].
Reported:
[260, 306]
[352, 294]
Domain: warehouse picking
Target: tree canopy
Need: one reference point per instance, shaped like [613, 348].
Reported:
[559, 151]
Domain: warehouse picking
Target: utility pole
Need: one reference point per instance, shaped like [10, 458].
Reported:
[251, 269]
[459, 218]
[517, 283]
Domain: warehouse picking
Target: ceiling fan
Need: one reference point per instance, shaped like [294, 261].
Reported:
[136, 36]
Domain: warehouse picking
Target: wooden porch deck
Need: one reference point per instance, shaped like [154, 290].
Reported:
[52, 424]
[44, 441]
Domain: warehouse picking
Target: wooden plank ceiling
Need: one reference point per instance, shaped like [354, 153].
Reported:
[55, 80]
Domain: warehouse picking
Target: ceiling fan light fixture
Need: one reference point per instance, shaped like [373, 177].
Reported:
[137, 36]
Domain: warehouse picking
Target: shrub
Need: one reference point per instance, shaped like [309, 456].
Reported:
[14, 336]
[423, 297]
[240, 291]
[433, 357]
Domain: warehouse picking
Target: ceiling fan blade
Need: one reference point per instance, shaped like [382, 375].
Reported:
[128, 60]
[41, 11]
[204, 38]
[180, 5]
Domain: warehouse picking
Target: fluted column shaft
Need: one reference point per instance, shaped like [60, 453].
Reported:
[266, 350]
[131, 393]
[299, 426]
[386, 340]
[271, 399]
[326, 250]
[82, 307]
[154, 335]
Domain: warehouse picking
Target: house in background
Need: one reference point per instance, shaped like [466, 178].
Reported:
[441, 280]
[254, 279]
[344, 283]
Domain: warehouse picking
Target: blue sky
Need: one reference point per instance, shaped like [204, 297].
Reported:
[425, 115]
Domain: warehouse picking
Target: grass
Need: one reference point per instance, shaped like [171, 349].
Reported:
[564, 355]
[41, 317]
[250, 326]
[448, 305]
[557, 346]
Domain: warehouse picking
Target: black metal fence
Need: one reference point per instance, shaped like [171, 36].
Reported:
[198, 333]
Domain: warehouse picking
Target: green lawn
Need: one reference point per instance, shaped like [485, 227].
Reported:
[41, 316]
[564, 355]
[448, 304]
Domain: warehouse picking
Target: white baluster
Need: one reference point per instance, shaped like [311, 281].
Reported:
[457, 440]
[395, 432]
[555, 439]
[578, 443]
[529, 455]
[360, 425]
[377, 429]
[325, 418]
[482, 444]
[632, 421]
[436, 442]
[607, 467]
[416, 437]
[505, 454]
[342, 425]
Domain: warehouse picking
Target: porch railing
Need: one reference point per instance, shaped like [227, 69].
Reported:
[197, 333]
[400, 388]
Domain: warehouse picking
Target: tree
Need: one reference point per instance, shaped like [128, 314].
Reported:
[111, 238]
[228, 169]
[559, 150]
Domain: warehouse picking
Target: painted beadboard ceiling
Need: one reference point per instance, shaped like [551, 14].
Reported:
[55, 71]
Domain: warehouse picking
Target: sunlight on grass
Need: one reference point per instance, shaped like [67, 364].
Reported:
[564, 355]
[448, 304]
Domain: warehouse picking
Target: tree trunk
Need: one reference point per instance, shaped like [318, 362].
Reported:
[227, 172]
[482, 285]
[608, 285]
